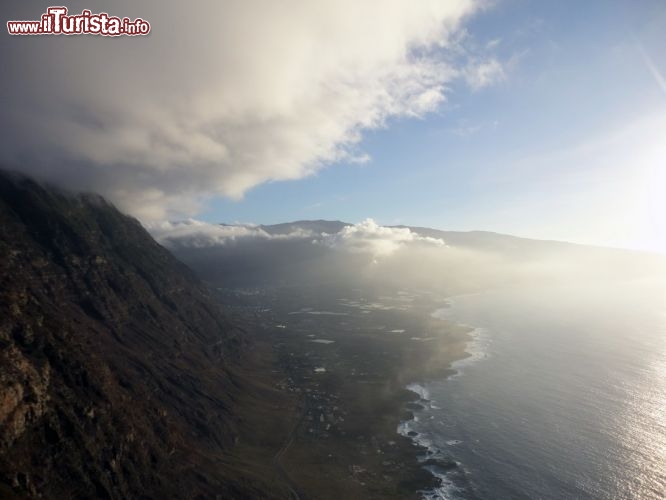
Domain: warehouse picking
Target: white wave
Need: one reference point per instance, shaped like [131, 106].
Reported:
[477, 348]
[321, 313]
[419, 389]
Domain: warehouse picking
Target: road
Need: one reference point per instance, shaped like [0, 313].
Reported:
[294, 492]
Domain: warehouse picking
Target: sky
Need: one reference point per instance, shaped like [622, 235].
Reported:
[559, 148]
[538, 119]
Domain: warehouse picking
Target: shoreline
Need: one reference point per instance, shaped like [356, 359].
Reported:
[344, 400]
[433, 458]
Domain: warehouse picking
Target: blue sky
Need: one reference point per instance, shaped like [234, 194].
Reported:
[567, 145]
[537, 118]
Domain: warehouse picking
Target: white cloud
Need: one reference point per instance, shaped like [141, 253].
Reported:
[222, 95]
[493, 44]
[199, 234]
[484, 73]
[194, 233]
[366, 237]
[378, 241]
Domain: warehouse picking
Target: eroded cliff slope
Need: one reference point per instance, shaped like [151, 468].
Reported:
[116, 369]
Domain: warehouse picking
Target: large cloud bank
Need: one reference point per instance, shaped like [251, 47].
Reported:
[222, 95]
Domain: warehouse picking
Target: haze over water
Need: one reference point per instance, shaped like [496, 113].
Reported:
[566, 397]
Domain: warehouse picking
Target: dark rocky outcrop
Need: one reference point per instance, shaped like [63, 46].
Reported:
[117, 372]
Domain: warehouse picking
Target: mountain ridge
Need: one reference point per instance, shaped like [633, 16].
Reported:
[118, 373]
[471, 238]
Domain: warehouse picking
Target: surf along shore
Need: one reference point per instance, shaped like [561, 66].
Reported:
[334, 392]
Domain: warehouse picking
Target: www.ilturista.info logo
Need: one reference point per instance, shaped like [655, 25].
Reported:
[56, 22]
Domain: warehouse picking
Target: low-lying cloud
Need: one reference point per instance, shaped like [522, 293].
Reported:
[222, 95]
[368, 254]
[193, 233]
[366, 237]
[371, 238]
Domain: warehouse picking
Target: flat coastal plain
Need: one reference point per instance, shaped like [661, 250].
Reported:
[330, 369]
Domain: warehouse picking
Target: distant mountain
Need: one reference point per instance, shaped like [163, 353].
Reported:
[305, 252]
[473, 240]
[316, 226]
[116, 371]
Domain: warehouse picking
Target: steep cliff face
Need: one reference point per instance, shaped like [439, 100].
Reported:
[116, 370]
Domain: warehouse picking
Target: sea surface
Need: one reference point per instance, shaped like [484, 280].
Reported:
[564, 396]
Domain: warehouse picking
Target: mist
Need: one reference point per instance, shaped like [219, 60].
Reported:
[367, 255]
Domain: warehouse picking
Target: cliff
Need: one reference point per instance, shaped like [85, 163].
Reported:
[117, 371]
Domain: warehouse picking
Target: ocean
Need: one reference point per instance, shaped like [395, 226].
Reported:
[563, 397]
